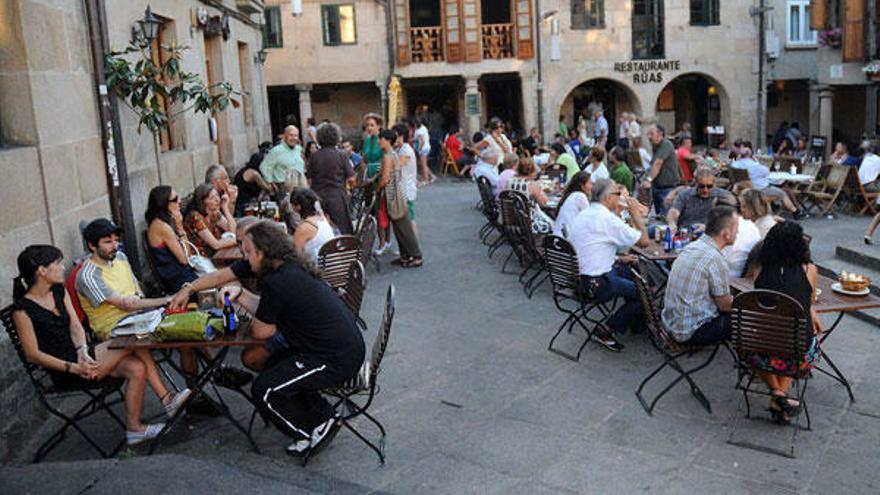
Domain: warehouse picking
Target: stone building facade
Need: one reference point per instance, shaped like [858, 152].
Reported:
[668, 61]
[53, 152]
[817, 51]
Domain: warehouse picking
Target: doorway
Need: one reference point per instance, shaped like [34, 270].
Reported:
[503, 95]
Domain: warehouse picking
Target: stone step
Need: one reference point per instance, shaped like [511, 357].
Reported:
[833, 267]
[859, 253]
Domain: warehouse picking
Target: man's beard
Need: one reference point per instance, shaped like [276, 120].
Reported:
[109, 256]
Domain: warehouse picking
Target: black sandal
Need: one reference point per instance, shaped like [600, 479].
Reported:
[412, 263]
[787, 407]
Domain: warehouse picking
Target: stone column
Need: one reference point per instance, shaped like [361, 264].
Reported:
[826, 115]
[305, 105]
[471, 91]
[871, 110]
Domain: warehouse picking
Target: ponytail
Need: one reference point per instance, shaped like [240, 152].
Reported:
[29, 260]
[18, 288]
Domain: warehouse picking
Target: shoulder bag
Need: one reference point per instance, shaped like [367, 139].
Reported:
[200, 264]
[394, 194]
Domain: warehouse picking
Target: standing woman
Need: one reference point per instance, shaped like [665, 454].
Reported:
[207, 219]
[496, 138]
[328, 173]
[422, 143]
[410, 254]
[53, 340]
[373, 159]
[408, 165]
[164, 235]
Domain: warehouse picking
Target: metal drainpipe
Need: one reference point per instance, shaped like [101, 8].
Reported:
[111, 134]
[539, 87]
[762, 90]
[391, 40]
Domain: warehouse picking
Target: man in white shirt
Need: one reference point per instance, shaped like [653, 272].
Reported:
[869, 170]
[487, 166]
[760, 177]
[597, 233]
[747, 236]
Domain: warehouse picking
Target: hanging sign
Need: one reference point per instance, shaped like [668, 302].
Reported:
[647, 71]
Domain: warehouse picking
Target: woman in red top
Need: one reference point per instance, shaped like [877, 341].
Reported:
[455, 147]
[684, 155]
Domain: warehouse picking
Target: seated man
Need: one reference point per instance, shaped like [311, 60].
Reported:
[325, 346]
[698, 299]
[487, 167]
[559, 155]
[691, 206]
[107, 288]
[869, 170]
[597, 233]
[759, 175]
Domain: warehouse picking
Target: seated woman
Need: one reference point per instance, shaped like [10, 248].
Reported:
[575, 199]
[755, 206]
[52, 339]
[524, 182]
[207, 219]
[596, 164]
[314, 230]
[250, 182]
[164, 234]
[785, 267]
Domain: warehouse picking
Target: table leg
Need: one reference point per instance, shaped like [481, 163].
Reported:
[837, 375]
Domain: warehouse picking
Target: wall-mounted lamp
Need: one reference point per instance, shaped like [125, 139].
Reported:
[260, 57]
[147, 29]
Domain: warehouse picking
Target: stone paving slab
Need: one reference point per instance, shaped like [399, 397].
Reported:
[474, 403]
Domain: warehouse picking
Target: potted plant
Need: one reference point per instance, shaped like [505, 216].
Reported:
[832, 38]
[872, 70]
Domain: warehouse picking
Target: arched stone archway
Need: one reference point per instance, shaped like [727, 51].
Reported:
[697, 99]
[612, 97]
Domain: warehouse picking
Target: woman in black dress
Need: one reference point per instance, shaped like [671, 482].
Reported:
[328, 172]
[785, 267]
[52, 339]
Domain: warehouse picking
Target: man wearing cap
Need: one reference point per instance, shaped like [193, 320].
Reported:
[106, 285]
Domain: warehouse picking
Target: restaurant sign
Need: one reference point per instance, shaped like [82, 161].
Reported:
[647, 71]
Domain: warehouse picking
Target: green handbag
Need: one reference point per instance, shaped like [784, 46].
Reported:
[189, 326]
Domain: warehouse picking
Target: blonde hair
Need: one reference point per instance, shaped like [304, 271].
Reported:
[755, 201]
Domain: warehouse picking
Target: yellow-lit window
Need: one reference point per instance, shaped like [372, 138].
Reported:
[339, 24]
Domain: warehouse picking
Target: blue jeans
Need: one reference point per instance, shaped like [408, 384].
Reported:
[618, 283]
[658, 194]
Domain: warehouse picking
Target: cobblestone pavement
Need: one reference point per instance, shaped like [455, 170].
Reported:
[474, 403]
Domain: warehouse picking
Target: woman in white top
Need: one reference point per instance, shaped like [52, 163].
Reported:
[314, 230]
[575, 199]
[596, 166]
[422, 141]
[756, 207]
[496, 138]
[408, 169]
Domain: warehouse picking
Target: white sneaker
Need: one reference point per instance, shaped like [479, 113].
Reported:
[299, 447]
[381, 250]
[150, 432]
[173, 407]
[321, 431]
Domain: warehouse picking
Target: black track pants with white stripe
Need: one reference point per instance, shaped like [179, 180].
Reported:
[288, 392]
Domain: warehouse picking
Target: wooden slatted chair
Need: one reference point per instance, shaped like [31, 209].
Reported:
[738, 175]
[826, 196]
[336, 257]
[669, 348]
[447, 162]
[868, 198]
[97, 398]
[769, 323]
[355, 396]
[353, 292]
[511, 228]
[561, 263]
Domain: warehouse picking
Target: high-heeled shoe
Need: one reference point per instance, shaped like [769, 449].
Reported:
[868, 240]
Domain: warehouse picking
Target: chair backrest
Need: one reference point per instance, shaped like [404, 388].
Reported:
[70, 285]
[507, 199]
[561, 262]
[523, 213]
[335, 258]
[381, 342]
[659, 335]
[9, 325]
[353, 292]
[836, 177]
[489, 206]
[769, 323]
[151, 265]
[367, 236]
[738, 175]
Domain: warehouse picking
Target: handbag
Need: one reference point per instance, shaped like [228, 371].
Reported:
[200, 264]
[396, 200]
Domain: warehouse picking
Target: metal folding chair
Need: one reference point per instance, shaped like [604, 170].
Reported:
[511, 228]
[355, 396]
[335, 258]
[367, 236]
[489, 208]
[671, 351]
[96, 395]
[561, 263]
[532, 256]
[353, 292]
[769, 323]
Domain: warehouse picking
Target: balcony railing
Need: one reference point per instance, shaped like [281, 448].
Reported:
[497, 41]
[426, 44]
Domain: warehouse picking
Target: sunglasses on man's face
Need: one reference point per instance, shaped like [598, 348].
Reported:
[705, 186]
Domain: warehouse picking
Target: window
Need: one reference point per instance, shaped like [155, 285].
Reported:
[244, 76]
[168, 138]
[588, 14]
[705, 13]
[338, 22]
[797, 22]
[647, 29]
[272, 37]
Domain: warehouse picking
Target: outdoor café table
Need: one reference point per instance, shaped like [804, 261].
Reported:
[779, 178]
[655, 253]
[827, 302]
[227, 256]
[210, 364]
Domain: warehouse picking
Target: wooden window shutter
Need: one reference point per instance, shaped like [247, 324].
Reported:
[470, 16]
[854, 31]
[524, 45]
[818, 14]
[452, 27]
[401, 24]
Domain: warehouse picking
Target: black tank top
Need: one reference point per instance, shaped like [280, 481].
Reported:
[52, 331]
[789, 280]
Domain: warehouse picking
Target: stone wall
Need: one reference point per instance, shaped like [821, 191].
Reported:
[51, 152]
